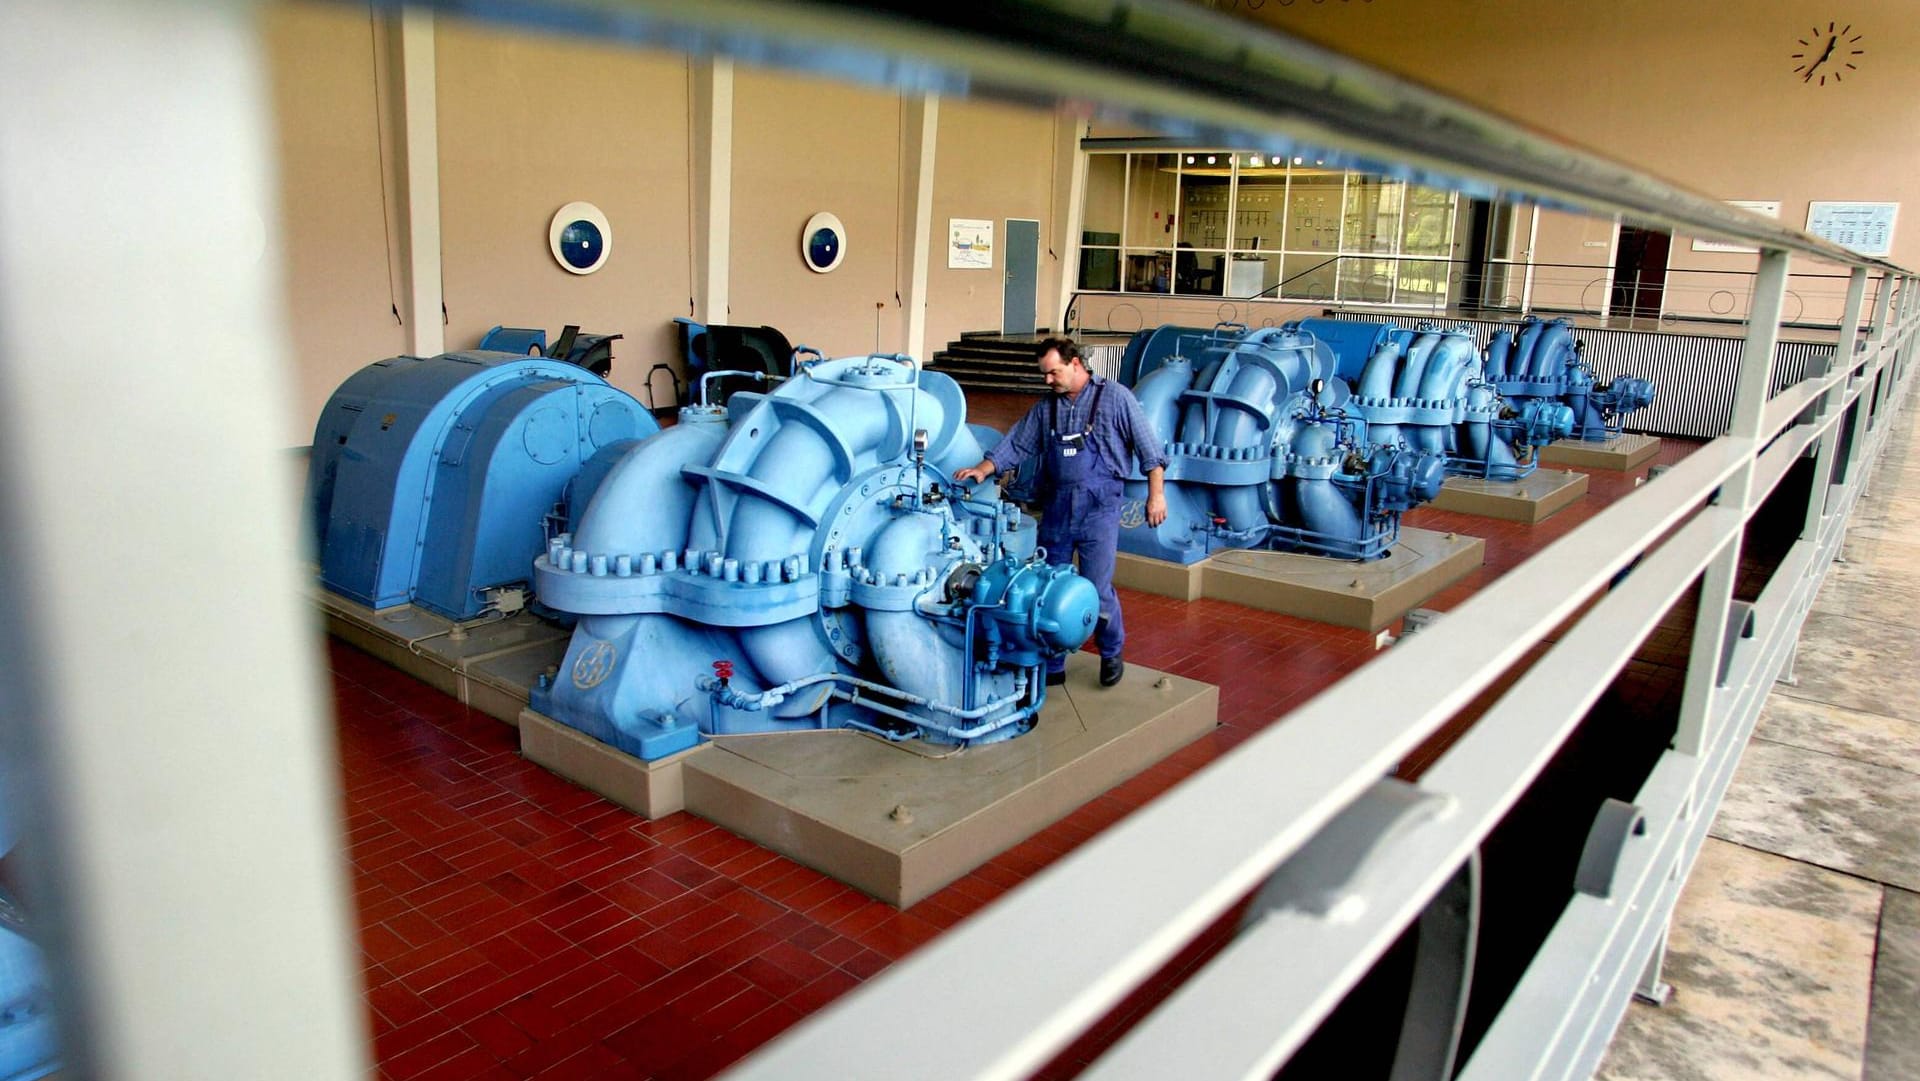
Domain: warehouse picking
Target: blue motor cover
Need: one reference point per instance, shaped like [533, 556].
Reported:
[432, 478]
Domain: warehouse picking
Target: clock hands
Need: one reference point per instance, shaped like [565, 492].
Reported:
[1831, 42]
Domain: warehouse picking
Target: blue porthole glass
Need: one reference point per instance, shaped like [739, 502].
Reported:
[580, 238]
[581, 243]
[823, 243]
[821, 246]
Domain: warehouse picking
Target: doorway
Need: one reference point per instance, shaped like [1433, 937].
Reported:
[1017, 301]
[1639, 272]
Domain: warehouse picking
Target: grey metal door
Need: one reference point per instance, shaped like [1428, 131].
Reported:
[1022, 248]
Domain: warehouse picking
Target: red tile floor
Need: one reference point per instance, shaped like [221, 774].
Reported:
[513, 925]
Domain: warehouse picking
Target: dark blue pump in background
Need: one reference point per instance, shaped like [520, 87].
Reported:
[1540, 360]
[1426, 388]
[1264, 449]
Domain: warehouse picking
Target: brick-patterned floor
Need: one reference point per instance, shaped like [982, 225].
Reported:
[514, 926]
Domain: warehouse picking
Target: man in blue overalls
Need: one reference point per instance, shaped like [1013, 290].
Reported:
[1088, 432]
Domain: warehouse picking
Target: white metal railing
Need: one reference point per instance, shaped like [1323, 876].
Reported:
[1087, 931]
[204, 925]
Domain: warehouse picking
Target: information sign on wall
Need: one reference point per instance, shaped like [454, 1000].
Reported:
[969, 244]
[1765, 207]
[1867, 228]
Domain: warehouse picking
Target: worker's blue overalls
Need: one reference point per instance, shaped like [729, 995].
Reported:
[1081, 495]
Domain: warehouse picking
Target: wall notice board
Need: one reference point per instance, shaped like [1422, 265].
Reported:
[1867, 228]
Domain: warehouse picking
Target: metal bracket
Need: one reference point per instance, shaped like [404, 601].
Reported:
[1606, 839]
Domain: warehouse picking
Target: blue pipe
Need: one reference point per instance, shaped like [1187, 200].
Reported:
[1499, 348]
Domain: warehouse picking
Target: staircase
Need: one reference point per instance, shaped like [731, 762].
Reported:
[987, 360]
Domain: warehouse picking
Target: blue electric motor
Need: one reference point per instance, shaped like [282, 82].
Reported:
[1541, 360]
[432, 479]
[802, 560]
[1264, 449]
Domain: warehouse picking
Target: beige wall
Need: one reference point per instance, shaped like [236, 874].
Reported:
[529, 124]
[1571, 257]
[341, 287]
[1703, 94]
[993, 162]
[801, 146]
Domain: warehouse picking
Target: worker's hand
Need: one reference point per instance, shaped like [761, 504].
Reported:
[973, 474]
[1156, 509]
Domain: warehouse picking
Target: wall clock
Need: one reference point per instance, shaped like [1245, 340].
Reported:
[1827, 54]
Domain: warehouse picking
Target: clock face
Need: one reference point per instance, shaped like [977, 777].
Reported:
[1829, 53]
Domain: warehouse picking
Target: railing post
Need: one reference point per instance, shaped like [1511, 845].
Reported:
[1843, 360]
[171, 762]
[1716, 588]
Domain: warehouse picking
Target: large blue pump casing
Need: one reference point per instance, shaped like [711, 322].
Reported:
[1257, 458]
[791, 563]
[431, 479]
[1540, 360]
[1426, 387]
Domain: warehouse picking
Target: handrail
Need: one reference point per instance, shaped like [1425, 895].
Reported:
[1354, 732]
[1225, 81]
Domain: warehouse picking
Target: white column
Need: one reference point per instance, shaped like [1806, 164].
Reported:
[919, 135]
[419, 156]
[160, 684]
[1069, 212]
[712, 187]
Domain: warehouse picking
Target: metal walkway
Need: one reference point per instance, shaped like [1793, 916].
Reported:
[1795, 948]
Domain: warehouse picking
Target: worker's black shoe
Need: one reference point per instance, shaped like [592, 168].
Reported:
[1056, 679]
[1111, 669]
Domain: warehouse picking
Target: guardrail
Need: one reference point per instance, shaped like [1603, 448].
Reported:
[999, 994]
[1351, 862]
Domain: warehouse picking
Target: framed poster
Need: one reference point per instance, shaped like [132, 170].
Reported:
[969, 244]
[1867, 228]
[1766, 207]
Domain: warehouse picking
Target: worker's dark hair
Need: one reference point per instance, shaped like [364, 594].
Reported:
[1068, 351]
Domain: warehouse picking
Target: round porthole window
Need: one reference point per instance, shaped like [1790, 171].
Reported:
[580, 238]
[823, 243]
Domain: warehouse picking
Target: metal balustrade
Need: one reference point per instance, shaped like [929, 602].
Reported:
[1361, 859]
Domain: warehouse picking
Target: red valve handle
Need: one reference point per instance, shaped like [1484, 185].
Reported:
[723, 669]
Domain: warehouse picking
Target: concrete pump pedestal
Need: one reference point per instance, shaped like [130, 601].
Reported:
[900, 821]
[487, 665]
[1622, 452]
[653, 789]
[1535, 497]
[1366, 596]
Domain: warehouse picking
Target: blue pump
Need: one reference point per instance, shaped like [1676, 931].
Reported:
[431, 479]
[803, 560]
[798, 558]
[1541, 361]
[1265, 448]
[1427, 388]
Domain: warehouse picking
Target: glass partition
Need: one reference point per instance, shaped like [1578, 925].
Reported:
[1226, 223]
